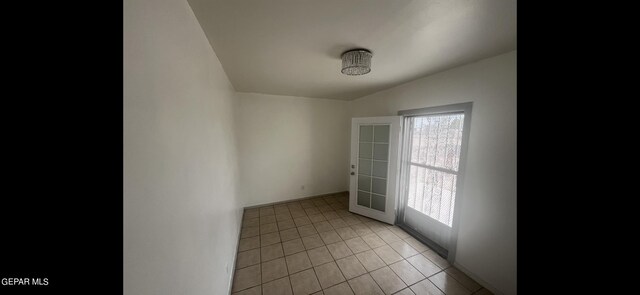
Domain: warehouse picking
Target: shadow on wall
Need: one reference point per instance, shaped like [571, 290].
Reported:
[324, 151]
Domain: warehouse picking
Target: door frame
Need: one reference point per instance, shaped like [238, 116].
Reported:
[466, 108]
[393, 168]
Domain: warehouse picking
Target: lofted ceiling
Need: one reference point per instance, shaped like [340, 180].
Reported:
[293, 47]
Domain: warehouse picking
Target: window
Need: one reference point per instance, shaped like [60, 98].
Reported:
[435, 143]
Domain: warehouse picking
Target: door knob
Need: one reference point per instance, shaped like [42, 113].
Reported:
[353, 173]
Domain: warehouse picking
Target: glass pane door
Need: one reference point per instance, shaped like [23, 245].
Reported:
[434, 143]
[374, 167]
[373, 163]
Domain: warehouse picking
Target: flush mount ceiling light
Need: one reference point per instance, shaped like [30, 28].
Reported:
[356, 62]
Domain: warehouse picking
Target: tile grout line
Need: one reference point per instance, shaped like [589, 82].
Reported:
[316, 274]
[260, 270]
[404, 259]
[460, 282]
[290, 284]
[386, 265]
[342, 273]
[367, 225]
[463, 286]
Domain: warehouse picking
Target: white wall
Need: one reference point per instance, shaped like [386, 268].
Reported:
[487, 235]
[180, 161]
[288, 142]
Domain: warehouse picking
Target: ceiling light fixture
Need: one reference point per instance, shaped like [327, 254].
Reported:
[356, 62]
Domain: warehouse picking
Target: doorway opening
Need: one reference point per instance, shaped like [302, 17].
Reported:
[434, 143]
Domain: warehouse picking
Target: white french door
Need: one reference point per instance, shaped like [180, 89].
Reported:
[434, 145]
[374, 167]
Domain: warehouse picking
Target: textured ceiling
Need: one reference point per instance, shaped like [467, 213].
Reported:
[293, 47]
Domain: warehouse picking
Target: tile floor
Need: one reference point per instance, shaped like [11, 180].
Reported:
[315, 246]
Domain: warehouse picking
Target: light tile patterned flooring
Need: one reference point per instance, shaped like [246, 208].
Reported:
[316, 246]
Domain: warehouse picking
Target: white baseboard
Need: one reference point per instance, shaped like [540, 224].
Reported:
[477, 279]
[294, 200]
[235, 255]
